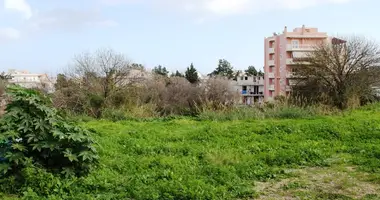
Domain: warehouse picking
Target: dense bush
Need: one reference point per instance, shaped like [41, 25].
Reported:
[148, 97]
[34, 134]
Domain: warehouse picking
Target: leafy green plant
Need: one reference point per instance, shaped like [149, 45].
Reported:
[113, 114]
[33, 133]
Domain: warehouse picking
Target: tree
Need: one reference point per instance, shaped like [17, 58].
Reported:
[99, 76]
[260, 73]
[137, 66]
[251, 71]
[224, 69]
[5, 77]
[338, 72]
[191, 74]
[159, 70]
[237, 74]
[177, 74]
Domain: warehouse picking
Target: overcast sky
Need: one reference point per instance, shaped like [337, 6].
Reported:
[44, 35]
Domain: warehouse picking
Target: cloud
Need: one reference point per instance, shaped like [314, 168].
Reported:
[61, 19]
[68, 19]
[20, 6]
[7, 34]
[229, 7]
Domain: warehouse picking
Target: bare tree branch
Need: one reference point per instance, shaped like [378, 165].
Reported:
[342, 69]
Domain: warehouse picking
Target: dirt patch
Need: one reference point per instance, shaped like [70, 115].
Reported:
[320, 183]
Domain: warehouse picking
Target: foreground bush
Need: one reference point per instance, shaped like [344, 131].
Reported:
[32, 134]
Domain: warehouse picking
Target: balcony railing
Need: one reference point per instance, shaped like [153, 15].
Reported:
[288, 88]
[271, 50]
[301, 47]
[270, 75]
[271, 87]
[271, 62]
[307, 36]
[289, 61]
[250, 93]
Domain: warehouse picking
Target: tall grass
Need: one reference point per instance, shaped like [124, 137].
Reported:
[272, 111]
[188, 159]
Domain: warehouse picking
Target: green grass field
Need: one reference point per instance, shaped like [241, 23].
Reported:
[332, 157]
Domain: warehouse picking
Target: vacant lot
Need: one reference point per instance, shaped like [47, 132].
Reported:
[320, 158]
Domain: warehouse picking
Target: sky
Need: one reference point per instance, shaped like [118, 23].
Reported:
[43, 36]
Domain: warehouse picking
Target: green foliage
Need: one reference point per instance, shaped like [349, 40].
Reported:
[180, 158]
[191, 74]
[250, 113]
[159, 70]
[114, 115]
[224, 69]
[251, 71]
[34, 133]
[177, 74]
[137, 66]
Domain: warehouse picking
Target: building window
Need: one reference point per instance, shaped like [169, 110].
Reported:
[295, 43]
[246, 78]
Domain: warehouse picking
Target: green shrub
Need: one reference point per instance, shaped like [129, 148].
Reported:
[114, 114]
[33, 132]
[289, 112]
[251, 113]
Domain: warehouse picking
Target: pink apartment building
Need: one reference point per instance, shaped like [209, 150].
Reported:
[280, 52]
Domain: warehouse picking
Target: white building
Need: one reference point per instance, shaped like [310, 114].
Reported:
[32, 80]
[251, 88]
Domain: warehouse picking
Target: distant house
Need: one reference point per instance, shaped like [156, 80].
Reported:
[32, 80]
[250, 88]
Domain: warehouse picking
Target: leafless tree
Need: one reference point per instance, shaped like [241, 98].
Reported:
[338, 71]
[98, 77]
[179, 97]
[217, 93]
[106, 67]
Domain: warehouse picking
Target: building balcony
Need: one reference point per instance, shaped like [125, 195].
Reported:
[296, 61]
[248, 93]
[271, 87]
[289, 75]
[271, 50]
[301, 47]
[250, 82]
[288, 88]
[271, 62]
[270, 75]
[321, 36]
[289, 61]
